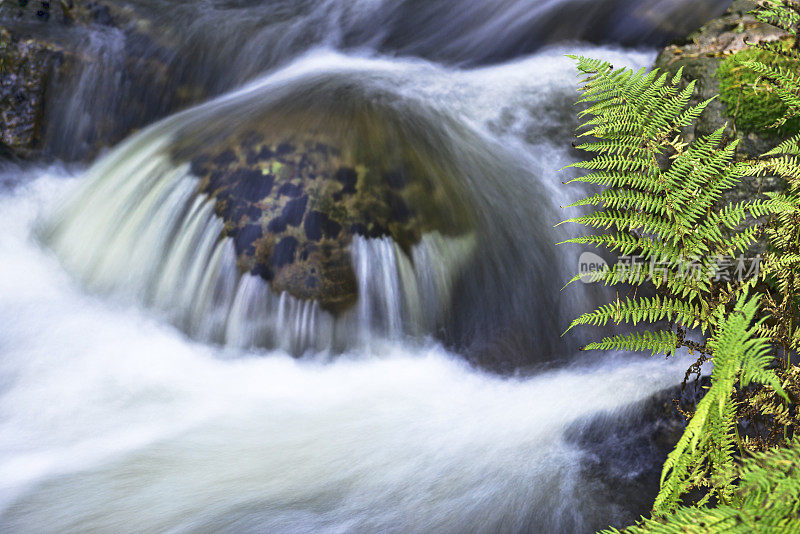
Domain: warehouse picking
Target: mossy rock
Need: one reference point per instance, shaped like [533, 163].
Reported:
[753, 107]
[292, 199]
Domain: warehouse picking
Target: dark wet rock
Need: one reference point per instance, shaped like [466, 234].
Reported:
[246, 238]
[317, 225]
[26, 68]
[290, 190]
[395, 180]
[623, 452]
[31, 61]
[293, 202]
[285, 252]
[294, 211]
[96, 60]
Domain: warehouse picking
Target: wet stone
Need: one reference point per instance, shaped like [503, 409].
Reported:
[292, 207]
[284, 149]
[225, 159]
[251, 184]
[245, 239]
[294, 211]
[358, 229]
[284, 252]
[348, 178]
[290, 190]
[264, 154]
[318, 224]
[263, 271]
[277, 225]
[395, 179]
[399, 210]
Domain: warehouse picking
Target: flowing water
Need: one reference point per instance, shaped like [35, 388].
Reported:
[147, 386]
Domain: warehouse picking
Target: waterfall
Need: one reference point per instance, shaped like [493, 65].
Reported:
[140, 230]
[209, 47]
[406, 296]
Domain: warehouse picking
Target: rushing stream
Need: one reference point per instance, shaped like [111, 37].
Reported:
[147, 385]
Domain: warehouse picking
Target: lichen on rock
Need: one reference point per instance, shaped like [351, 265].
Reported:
[293, 198]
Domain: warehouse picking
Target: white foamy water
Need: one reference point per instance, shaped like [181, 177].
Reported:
[111, 421]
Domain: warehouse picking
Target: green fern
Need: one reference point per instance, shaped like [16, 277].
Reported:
[663, 201]
[781, 263]
[784, 14]
[766, 500]
[660, 203]
[779, 76]
[740, 357]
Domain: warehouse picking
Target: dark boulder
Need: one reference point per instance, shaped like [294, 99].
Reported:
[292, 201]
[26, 68]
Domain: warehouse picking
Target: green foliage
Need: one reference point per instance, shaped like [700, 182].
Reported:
[706, 447]
[766, 499]
[660, 204]
[753, 106]
[664, 201]
[782, 259]
[781, 13]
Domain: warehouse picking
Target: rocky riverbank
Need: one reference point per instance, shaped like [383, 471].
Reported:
[703, 53]
[51, 52]
[709, 56]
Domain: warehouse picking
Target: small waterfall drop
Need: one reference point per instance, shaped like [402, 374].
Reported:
[139, 229]
[406, 296]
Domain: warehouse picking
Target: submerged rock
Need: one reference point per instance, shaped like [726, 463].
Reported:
[293, 201]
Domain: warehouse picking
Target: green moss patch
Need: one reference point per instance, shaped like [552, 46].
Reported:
[753, 107]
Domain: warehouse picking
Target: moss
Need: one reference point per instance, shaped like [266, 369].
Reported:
[752, 106]
[5, 46]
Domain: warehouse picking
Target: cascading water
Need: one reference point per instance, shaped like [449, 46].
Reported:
[139, 228]
[208, 47]
[149, 381]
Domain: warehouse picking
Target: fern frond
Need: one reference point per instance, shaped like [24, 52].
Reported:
[659, 342]
[738, 356]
